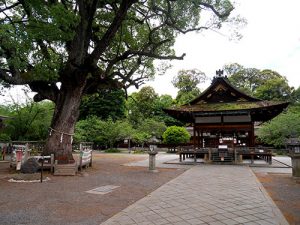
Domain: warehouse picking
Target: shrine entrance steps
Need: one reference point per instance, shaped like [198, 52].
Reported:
[225, 158]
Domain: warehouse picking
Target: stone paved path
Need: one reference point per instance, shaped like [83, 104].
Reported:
[206, 194]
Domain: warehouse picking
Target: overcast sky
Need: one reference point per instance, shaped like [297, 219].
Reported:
[271, 40]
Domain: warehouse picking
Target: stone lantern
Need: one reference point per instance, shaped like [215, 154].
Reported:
[152, 153]
[293, 145]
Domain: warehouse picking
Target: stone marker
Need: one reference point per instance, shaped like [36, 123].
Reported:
[30, 166]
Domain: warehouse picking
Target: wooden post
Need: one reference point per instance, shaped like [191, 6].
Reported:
[52, 163]
[240, 158]
[80, 160]
[55, 166]
[194, 137]
[42, 167]
[199, 137]
[235, 155]
[91, 161]
[205, 157]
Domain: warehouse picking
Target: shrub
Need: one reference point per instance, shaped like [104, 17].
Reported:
[175, 135]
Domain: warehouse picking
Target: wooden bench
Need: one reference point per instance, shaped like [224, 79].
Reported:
[85, 158]
[65, 169]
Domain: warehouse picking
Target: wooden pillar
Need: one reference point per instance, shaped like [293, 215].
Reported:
[199, 136]
[251, 136]
[194, 135]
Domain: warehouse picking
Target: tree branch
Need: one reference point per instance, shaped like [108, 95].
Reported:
[78, 47]
[14, 79]
[44, 91]
[9, 7]
[220, 15]
[104, 42]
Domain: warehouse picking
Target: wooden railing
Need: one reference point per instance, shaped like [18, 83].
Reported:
[239, 153]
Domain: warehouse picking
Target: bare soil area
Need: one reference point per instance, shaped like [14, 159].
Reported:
[64, 200]
[285, 192]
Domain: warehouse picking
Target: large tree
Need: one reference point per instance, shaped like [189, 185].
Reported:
[187, 82]
[64, 49]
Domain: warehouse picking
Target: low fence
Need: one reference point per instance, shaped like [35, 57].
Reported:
[237, 154]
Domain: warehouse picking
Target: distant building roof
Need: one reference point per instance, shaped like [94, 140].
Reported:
[222, 98]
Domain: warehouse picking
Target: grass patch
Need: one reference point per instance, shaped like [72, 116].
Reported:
[139, 151]
[112, 150]
[280, 152]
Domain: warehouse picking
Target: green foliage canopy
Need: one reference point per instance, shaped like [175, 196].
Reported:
[186, 81]
[147, 104]
[28, 122]
[175, 135]
[102, 132]
[95, 42]
[66, 49]
[285, 125]
[106, 103]
[263, 84]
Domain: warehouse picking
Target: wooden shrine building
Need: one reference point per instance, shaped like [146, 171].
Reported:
[224, 115]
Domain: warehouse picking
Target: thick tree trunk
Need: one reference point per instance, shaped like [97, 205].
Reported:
[63, 123]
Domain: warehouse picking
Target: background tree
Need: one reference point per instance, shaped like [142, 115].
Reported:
[89, 45]
[263, 84]
[147, 104]
[276, 89]
[145, 100]
[162, 102]
[90, 129]
[186, 81]
[29, 121]
[142, 105]
[140, 138]
[285, 125]
[152, 128]
[246, 79]
[295, 96]
[102, 132]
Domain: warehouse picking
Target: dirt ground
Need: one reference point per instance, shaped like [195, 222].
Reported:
[63, 200]
[285, 192]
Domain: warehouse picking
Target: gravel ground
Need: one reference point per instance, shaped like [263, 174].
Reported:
[63, 200]
[285, 192]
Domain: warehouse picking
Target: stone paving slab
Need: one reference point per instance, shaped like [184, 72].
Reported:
[206, 194]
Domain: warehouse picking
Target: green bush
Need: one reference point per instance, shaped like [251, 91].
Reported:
[4, 137]
[175, 135]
